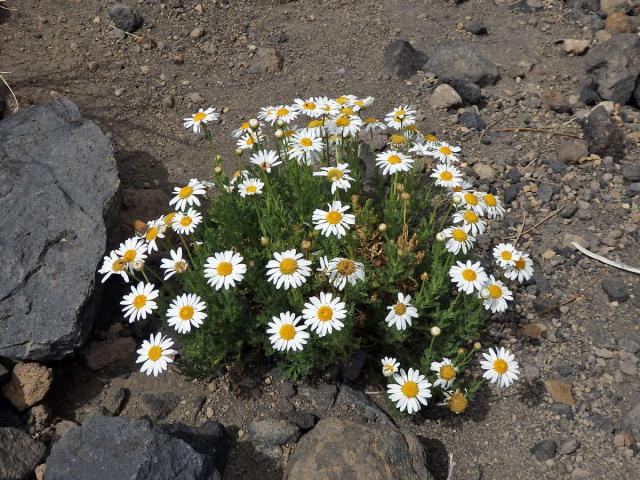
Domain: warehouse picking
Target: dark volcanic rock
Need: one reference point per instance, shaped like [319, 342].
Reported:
[159, 405]
[476, 28]
[402, 59]
[469, 92]
[603, 136]
[470, 118]
[125, 17]
[571, 151]
[459, 61]
[57, 170]
[615, 289]
[266, 60]
[115, 448]
[19, 454]
[273, 432]
[614, 66]
[544, 450]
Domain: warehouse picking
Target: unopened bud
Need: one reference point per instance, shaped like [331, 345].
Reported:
[218, 158]
[461, 351]
[253, 123]
[279, 133]
[217, 170]
[238, 152]
[400, 187]
[264, 241]
[424, 276]
[280, 123]
[138, 265]
[355, 198]
[440, 237]
[457, 199]
[405, 196]
[435, 331]
[305, 245]
[477, 346]
[382, 227]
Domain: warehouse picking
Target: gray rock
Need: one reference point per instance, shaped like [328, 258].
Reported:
[49, 155]
[321, 396]
[629, 345]
[347, 450]
[631, 172]
[477, 28]
[469, 92]
[634, 189]
[614, 66]
[470, 118]
[615, 289]
[544, 450]
[287, 389]
[115, 448]
[266, 60]
[589, 94]
[351, 369]
[126, 18]
[444, 97]
[603, 136]
[511, 193]
[305, 420]
[602, 423]
[459, 61]
[566, 444]
[159, 405]
[545, 192]
[571, 151]
[631, 421]
[357, 402]
[402, 59]
[115, 399]
[19, 454]
[569, 210]
[272, 432]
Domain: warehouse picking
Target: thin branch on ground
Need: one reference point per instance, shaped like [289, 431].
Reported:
[489, 127]
[521, 229]
[572, 299]
[538, 130]
[600, 258]
[529, 230]
[451, 465]
[15, 99]
[137, 37]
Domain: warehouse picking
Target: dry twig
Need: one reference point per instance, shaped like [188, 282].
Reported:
[521, 229]
[538, 130]
[15, 99]
[529, 230]
[489, 127]
[600, 258]
[137, 37]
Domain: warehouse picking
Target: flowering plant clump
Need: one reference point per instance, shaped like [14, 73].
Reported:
[318, 245]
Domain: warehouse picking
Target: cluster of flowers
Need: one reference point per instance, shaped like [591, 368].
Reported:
[328, 121]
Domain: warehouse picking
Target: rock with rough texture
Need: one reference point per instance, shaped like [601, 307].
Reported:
[571, 151]
[159, 405]
[603, 136]
[19, 454]
[631, 421]
[459, 61]
[469, 92]
[353, 401]
[618, 23]
[485, 172]
[272, 432]
[444, 97]
[125, 17]
[30, 383]
[57, 169]
[471, 118]
[614, 66]
[631, 172]
[116, 448]
[560, 392]
[615, 289]
[609, 7]
[347, 450]
[544, 450]
[575, 46]
[402, 59]
[266, 60]
[110, 352]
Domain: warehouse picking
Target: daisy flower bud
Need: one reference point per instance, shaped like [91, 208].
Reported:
[405, 196]
[435, 331]
[279, 133]
[461, 351]
[382, 227]
[218, 170]
[457, 200]
[218, 158]
[253, 123]
[424, 277]
[484, 293]
[280, 123]
[162, 228]
[264, 241]
[238, 152]
[138, 265]
[440, 237]
[305, 245]
[477, 346]
[400, 187]
[355, 198]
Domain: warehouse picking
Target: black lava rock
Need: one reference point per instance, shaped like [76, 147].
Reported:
[603, 136]
[544, 450]
[402, 59]
[469, 92]
[477, 28]
[470, 118]
[615, 289]
[125, 17]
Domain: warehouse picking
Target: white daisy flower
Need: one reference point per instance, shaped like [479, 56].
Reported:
[250, 186]
[139, 302]
[469, 277]
[325, 265]
[249, 140]
[324, 314]
[305, 146]
[243, 129]
[345, 100]
[361, 103]
[345, 270]
[458, 238]
[288, 269]
[492, 206]
[187, 195]
[504, 255]
[200, 117]
[345, 125]
[327, 106]
[175, 264]
[410, 390]
[446, 373]
[430, 140]
[463, 187]
[471, 201]
[447, 176]
[155, 230]
[389, 366]
[225, 269]
[285, 332]
[371, 124]
[457, 401]
[155, 354]
[401, 313]
[495, 295]
[186, 311]
[500, 367]
[310, 107]
[338, 176]
[113, 264]
[393, 161]
[333, 221]
[400, 117]
[445, 152]
[472, 220]
[266, 160]
[185, 223]
[280, 112]
[133, 250]
[522, 268]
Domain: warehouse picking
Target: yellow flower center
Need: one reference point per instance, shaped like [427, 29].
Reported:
[129, 256]
[400, 113]
[430, 138]
[181, 266]
[394, 159]
[359, 103]
[445, 150]
[249, 140]
[288, 266]
[469, 275]
[309, 106]
[185, 192]
[500, 366]
[341, 100]
[411, 128]
[306, 142]
[457, 402]
[398, 139]
[459, 235]
[446, 176]
[335, 174]
[198, 117]
[470, 217]
[470, 198]
[409, 389]
[494, 291]
[151, 234]
[334, 217]
[342, 121]
[325, 313]
[139, 301]
[154, 353]
[314, 124]
[245, 126]
[400, 308]
[370, 120]
[346, 267]
[347, 111]
[118, 265]
[490, 200]
[520, 263]
[388, 368]
[224, 269]
[186, 313]
[186, 221]
[168, 218]
[506, 255]
[281, 112]
[251, 189]
[287, 332]
[447, 372]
